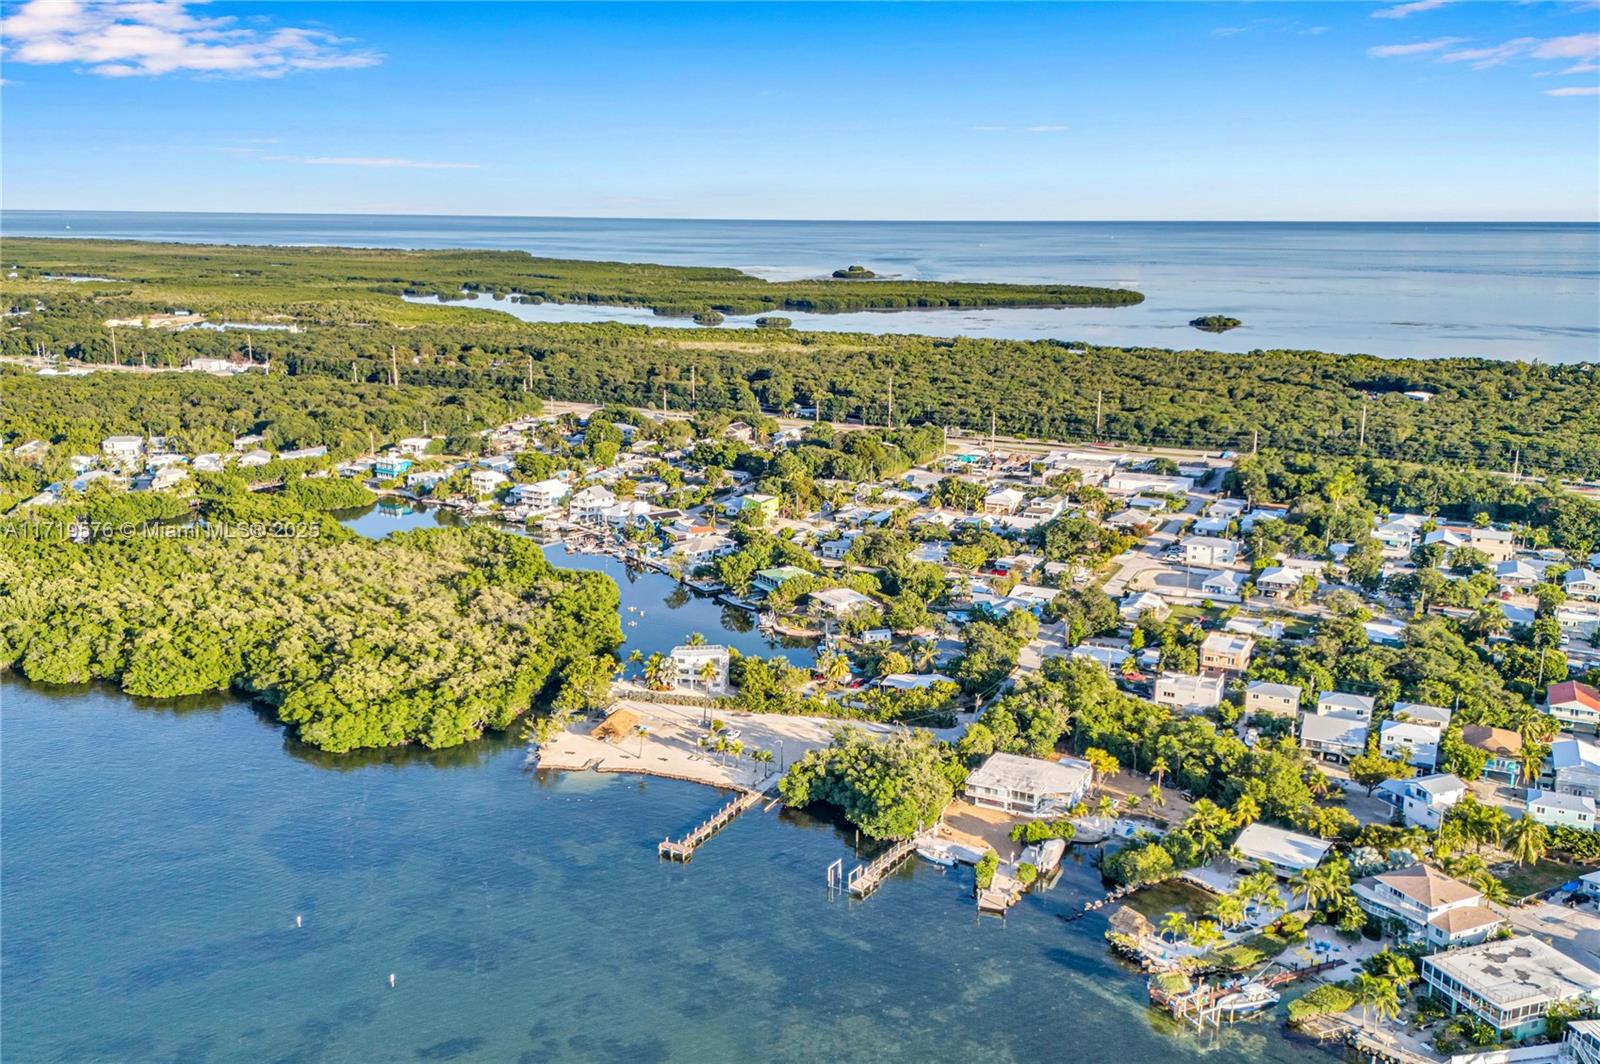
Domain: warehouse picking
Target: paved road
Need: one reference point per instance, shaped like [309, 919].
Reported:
[1147, 554]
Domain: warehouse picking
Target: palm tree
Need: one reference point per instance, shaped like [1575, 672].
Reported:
[1229, 910]
[708, 673]
[1204, 934]
[834, 669]
[1156, 796]
[659, 672]
[696, 639]
[1174, 925]
[1367, 992]
[1529, 839]
[923, 653]
[1159, 769]
[1105, 807]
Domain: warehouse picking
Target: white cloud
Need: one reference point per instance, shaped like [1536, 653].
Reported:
[1403, 10]
[1019, 129]
[395, 164]
[135, 38]
[1575, 90]
[1484, 58]
[1047, 129]
[1577, 46]
[1389, 51]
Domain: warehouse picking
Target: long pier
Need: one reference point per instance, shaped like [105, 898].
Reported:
[683, 849]
[864, 879]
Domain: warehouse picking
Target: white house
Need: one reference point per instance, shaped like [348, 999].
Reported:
[1134, 483]
[1554, 809]
[414, 446]
[486, 481]
[589, 505]
[1415, 744]
[543, 495]
[1223, 586]
[1209, 550]
[1278, 581]
[1344, 702]
[1187, 693]
[1423, 800]
[702, 550]
[1138, 604]
[1575, 766]
[1421, 713]
[1335, 737]
[840, 601]
[1434, 909]
[1583, 583]
[1027, 785]
[1277, 699]
[257, 457]
[692, 665]
[1576, 705]
[122, 448]
[1004, 501]
[913, 681]
[1287, 852]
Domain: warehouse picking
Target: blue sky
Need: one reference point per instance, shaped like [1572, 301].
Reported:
[1424, 110]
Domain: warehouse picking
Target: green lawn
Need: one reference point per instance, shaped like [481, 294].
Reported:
[1532, 879]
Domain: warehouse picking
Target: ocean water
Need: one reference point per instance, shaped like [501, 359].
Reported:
[1494, 290]
[158, 856]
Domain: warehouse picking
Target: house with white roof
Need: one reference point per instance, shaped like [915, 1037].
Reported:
[487, 481]
[1278, 581]
[703, 550]
[1575, 766]
[1428, 906]
[122, 448]
[1497, 544]
[542, 495]
[1223, 586]
[1554, 809]
[1399, 533]
[1188, 694]
[1138, 604]
[589, 505]
[1421, 713]
[1413, 743]
[701, 667]
[1335, 737]
[1275, 699]
[1222, 652]
[1028, 786]
[1509, 984]
[1581, 583]
[1520, 574]
[913, 681]
[1286, 852]
[1134, 483]
[840, 601]
[1344, 702]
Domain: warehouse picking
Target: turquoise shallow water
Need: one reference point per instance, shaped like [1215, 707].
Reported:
[156, 856]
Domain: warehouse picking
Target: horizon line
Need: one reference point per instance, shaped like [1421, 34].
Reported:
[835, 221]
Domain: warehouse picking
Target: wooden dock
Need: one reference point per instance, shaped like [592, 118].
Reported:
[683, 849]
[864, 879]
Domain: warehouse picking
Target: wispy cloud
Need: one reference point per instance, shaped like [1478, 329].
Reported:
[1019, 129]
[1045, 129]
[385, 164]
[1389, 51]
[1492, 56]
[1575, 90]
[1406, 10]
[142, 38]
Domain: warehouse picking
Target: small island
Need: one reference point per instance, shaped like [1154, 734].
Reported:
[1217, 323]
[709, 318]
[854, 273]
[772, 321]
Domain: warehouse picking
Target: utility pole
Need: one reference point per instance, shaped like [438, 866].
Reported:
[249, 346]
[891, 398]
[1255, 438]
[529, 388]
[991, 429]
[1099, 395]
[693, 398]
[394, 368]
[353, 371]
[113, 343]
[1365, 400]
[1516, 466]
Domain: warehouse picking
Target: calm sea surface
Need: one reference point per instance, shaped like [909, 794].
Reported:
[1497, 290]
[157, 856]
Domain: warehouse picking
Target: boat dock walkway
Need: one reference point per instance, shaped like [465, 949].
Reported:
[864, 879]
[683, 849]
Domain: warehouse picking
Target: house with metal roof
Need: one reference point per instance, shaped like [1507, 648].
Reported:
[1428, 906]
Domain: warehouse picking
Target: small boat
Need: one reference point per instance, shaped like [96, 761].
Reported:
[633, 624]
[1251, 997]
[939, 855]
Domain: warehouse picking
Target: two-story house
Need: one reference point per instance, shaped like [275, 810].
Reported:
[1428, 906]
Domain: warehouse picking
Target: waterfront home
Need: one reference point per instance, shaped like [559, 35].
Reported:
[1576, 705]
[1344, 702]
[703, 550]
[1509, 984]
[1028, 786]
[1423, 800]
[629, 513]
[1335, 737]
[163, 479]
[589, 505]
[1575, 767]
[542, 495]
[122, 448]
[1276, 699]
[1285, 852]
[1582, 583]
[840, 601]
[702, 667]
[1427, 906]
[1554, 809]
[424, 482]
[1188, 694]
[1503, 746]
[1410, 742]
[1581, 1043]
[769, 580]
[1226, 652]
[486, 481]
[1140, 603]
[1209, 550]
[387, 467]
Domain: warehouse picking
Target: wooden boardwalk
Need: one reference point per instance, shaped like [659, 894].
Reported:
[864, 879]
[683, 849]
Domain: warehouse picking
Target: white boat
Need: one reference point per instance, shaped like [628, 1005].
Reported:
[1252, 997]
[939, 855]
[1050, 854]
